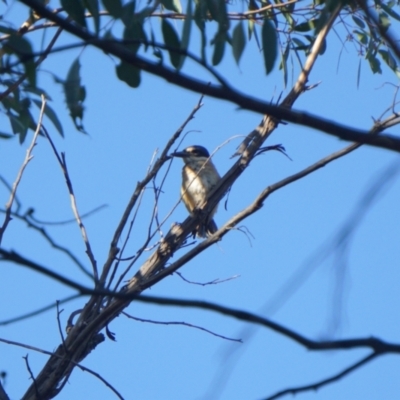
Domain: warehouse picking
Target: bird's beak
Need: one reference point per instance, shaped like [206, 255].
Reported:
[181, 154]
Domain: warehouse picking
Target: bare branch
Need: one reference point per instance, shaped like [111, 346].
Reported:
[377, 345]
[181, 323]
[59, 324]
[325, 382]
[31, 374]
[63, 164]
[213, 282]
[98, 376]
[65, 222]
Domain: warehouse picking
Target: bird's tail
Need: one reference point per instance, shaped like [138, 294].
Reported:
[206, 229]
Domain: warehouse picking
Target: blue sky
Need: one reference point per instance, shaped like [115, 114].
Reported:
[125, 127]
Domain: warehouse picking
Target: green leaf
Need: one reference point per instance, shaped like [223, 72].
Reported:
[172, 41]
[359, 74]
[114, 7]
[128, 74]
[323, 48]
[187, 25]
[374, 63]
[358, 21]
[17, 126]
[219, 48]
[22, 48]
[200, 16]
[250, 28]
[21, 123]
[128, 13]
[362, 37]
[283, 65]
[5, 135]
[51, 115]
[76, 10]
[305, 26]
[390, 11]
[93, 7]
[156, 51]
[389, 60]
[300, 45]
[37, 90]
[238, 41]
[75, 94]
[213, 9]
[269, 44]
[173, 5]
[135, 34]
[384, 21]
[323, 19]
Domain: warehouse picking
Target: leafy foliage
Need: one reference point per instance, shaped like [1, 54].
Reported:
[278, 29]
[75, 94]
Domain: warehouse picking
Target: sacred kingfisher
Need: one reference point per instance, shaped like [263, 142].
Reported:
[199, 177]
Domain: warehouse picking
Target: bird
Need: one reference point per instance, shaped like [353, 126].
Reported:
[199, 178]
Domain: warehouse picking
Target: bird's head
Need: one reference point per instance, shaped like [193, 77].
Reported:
[193, 154]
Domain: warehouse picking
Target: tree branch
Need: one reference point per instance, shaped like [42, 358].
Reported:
[325, 382]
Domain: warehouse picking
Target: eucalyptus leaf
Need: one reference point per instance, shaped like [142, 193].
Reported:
[187, 25]
[93, 7]
[114, 7]
[238, 41]
[171, 40]
[269, 44]
[173, 5]
[128, 74]
[76, 10]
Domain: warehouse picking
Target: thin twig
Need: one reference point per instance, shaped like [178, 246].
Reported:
[26, 218]
[31, 374]
[67, 221]
[28, 157]
[181, 323]
[213, 282]
[98, 376]
[9, 187]
[63, 164]
[376, 344]
[293, 391]
[38, 311]
[59, 325]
